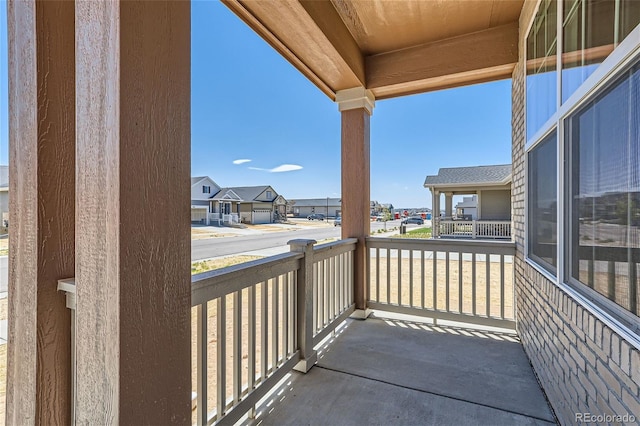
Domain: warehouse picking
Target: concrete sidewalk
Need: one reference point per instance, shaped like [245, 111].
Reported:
[390, 372]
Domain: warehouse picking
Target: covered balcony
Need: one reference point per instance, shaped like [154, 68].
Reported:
[484, 215]
[99, 98]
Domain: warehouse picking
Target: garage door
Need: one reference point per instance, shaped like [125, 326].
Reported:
[199, 215]
[261, 216]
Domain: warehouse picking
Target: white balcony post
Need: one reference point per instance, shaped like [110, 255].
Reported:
[474, 226]
[304, 320]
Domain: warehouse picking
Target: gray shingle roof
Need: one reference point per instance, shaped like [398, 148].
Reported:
[250, 193]
[226, 194]
[196, 179]
[499, 174]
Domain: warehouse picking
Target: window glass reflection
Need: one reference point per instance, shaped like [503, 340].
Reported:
[604, 144]
[541, 67]
[542, 199]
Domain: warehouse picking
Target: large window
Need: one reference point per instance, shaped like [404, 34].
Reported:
[598, 134]
[603, 148]
[543, 203]
[590, 31]
[541, 67]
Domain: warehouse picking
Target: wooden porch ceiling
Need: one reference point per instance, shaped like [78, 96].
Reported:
[393, 48]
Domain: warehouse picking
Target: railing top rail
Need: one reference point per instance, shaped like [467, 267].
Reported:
[466, 246]
[213, 284]
[335, 248]
[476, 221]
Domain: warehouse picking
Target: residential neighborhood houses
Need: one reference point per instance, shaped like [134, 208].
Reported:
[212, 204]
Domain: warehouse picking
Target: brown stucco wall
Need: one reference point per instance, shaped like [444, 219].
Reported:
[582, 364]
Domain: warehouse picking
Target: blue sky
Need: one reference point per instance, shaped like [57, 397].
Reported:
[249, 103]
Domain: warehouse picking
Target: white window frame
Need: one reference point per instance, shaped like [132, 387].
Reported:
[625, 53]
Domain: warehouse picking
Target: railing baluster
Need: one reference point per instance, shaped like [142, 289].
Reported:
[399, 252]
[447, 280]
[275, 325]
[221, 371]
[316, 299]
[285, 317]
[251, 342]
[435, 280]
[338, 286]
[473, 283]
[422, 277]
[341, 283]
[237, 345]
[488, 285]
[460, 299]
[411, 277]
[201, 363]
[377, 274]
[330, 282]
[293, 312]
[264, 332]
[502, 301]
[321, 285]
[388, 276]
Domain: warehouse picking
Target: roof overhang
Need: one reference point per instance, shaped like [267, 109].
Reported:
[392, 48]
[469, 188]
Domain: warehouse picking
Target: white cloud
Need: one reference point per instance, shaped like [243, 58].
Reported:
[285, 168]
[241, 161]
[279, 169]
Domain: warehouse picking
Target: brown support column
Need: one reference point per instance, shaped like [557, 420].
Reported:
[41, 178]
[133, 213]
[356, 106]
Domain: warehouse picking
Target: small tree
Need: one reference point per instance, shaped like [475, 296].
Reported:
[386, 216]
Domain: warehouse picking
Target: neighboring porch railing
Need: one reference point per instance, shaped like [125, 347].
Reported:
[469, 281]
[270, 313]
[230, 219]
[492, 229]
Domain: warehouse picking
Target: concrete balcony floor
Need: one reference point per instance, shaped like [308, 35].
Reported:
[393, 372]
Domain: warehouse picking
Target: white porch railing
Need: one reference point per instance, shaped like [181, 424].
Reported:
[469, 281]
[230, 218]
[270, 313]
[493, 229]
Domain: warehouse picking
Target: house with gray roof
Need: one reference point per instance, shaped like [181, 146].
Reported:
[259, 204]
[492, 187]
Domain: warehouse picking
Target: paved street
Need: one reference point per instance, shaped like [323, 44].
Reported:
[216, 247]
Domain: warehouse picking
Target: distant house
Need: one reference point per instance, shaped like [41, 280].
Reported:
[491, 185]
[202, 189]
[303, 207]
[467, 208]
[377, 208]
[260, 204]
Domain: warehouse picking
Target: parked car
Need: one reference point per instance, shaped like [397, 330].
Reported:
[337, 222]
[380, 218]
[316, 216]
[414, 219]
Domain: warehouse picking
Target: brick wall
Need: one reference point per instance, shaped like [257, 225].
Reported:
[582, 364]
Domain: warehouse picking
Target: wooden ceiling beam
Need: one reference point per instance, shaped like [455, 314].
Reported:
[329, 22]
[311, 36]
[468, 59]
